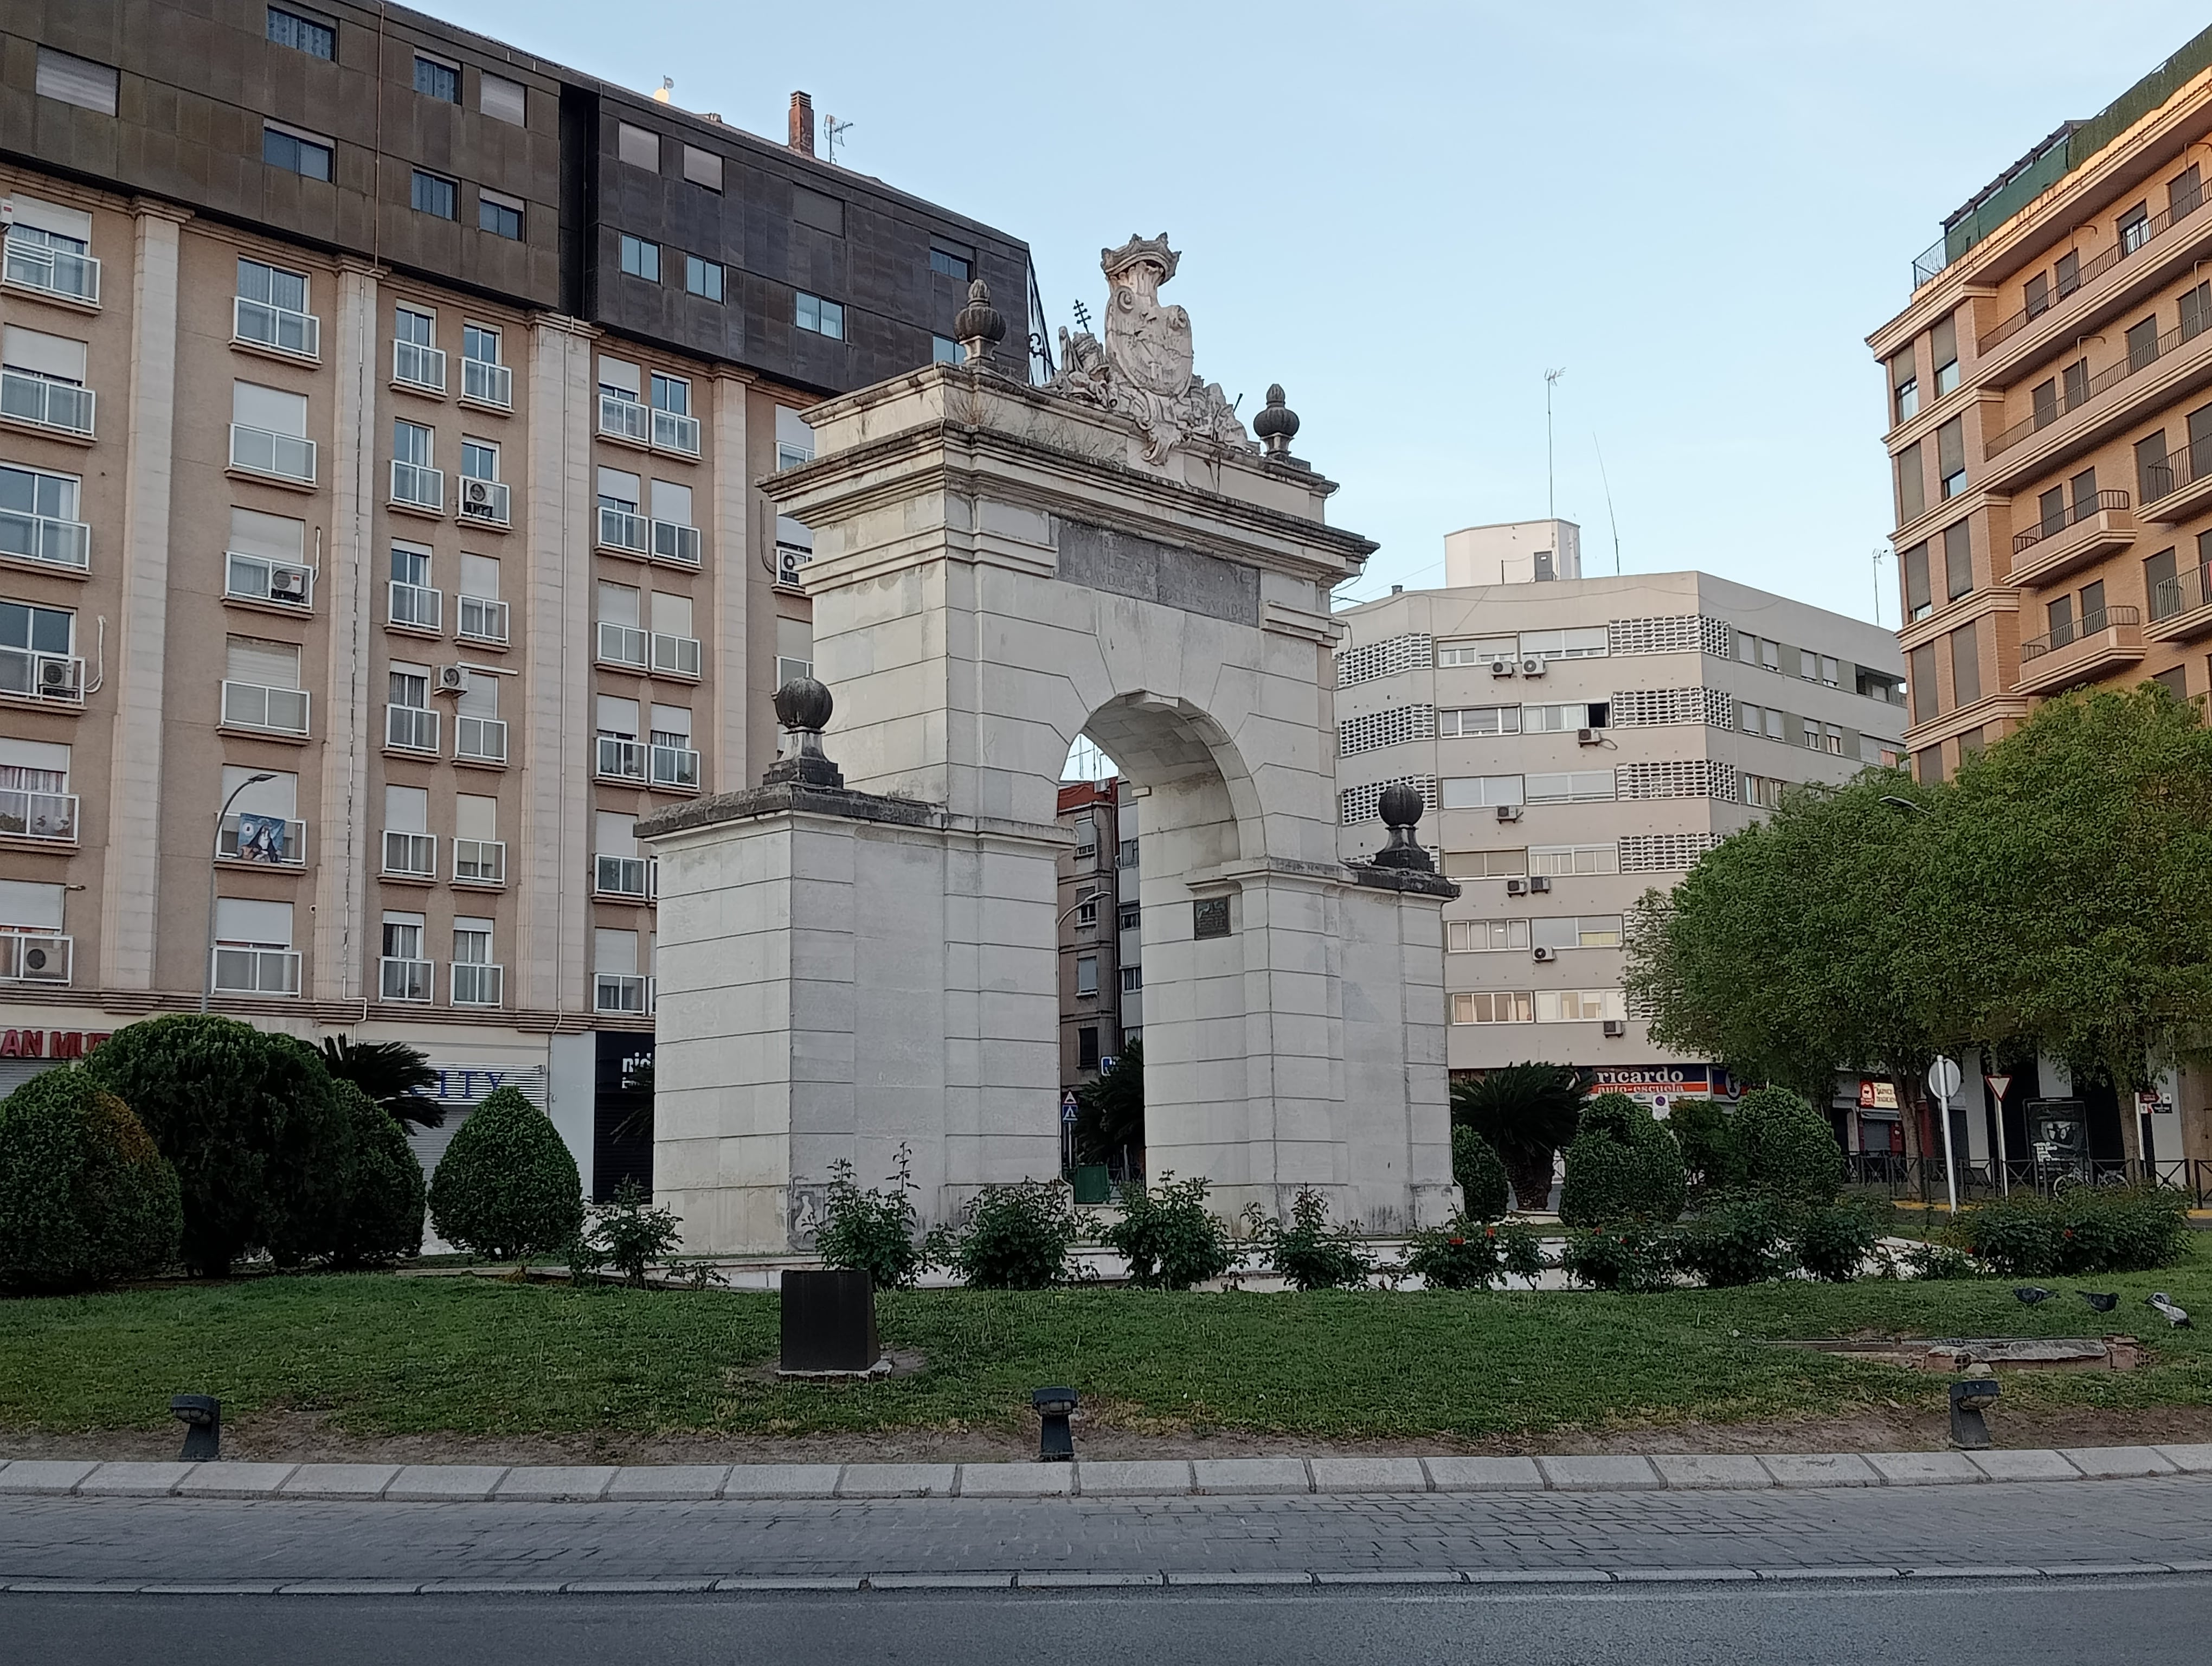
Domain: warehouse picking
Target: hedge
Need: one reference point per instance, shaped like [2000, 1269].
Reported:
[379, 1217]
[85, 1197]
[1623, 1165]
[507, 1187]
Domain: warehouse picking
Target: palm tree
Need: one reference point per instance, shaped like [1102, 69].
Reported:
[1526, 1112]
[391, 1073]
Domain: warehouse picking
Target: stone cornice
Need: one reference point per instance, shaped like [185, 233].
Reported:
[837, 804]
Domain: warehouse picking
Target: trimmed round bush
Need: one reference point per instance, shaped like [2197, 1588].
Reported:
[1706, 1133]
[1480, 1172]
[1744, 1240]
[249, 1122]
[1835, 1243]
[1012, 1237]
[1785, 1149]
[507, 1187]
[85, 1197]
[380, 1218]
[1623, 1165]
[1624, 1258]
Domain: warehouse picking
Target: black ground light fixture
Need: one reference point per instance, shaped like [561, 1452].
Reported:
[202, 1416]
[1055, 1442]
[1970, 1397]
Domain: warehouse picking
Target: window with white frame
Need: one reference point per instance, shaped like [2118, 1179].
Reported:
[42, 382]
[414, 602]
[1484, 864]
[1477, 651]
[482, 614]
[35, 801]
[1579, 1006]
[32, 948]
[1565, 719]
[477, 975]
[408, 722]
[410, 852]
[38, 517]
[1589, 931]
[268, 432]
[272, 309]
[1086, 975]
[479, 735]
[262, 825]
[1492, 1006]
[618, 985]
[1480, 791]
[405, 974]
[261, 686]
[1467, 721]
[38, 657]
[479, 856]
[1558, 860]
[618, 869]
[1582, 643]
[1570, 787]
[1485, 936]
[253, 952]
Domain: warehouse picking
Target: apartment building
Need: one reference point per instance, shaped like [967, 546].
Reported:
[379, 412]
[2048, 392]
[1102, 976]
[1576, 742]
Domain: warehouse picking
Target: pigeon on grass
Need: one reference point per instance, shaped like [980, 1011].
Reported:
[2175, 1316]
[2103, 1301]
[2030, 1294]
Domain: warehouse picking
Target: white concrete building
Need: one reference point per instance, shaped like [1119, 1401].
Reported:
[1513, 552]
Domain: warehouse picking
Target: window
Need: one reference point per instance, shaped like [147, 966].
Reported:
[476, 975]
[1086, 839]
[1943, 347]
[261, 686]
[811, 207]
[823, 318]
[253, 951]
[1918, 602]
[318, 36]
[703, 167]
[1086, 909]
[641, 258]
[2184, 193]
[1479, 792]
[501, 99]
[483, 615]
[1479, 720]
[1951, 457]
[434, 193]
[36, 660]
[1493, 1006]
[500, 215]
[1763, 791]
[616, 985]
[2036, 295]
[1770, 655]
[1481, 652]
[1086, 1047]
[1589, 931]
[1591, 642]
[1911, 485]
[1569, 859]
[414, 478]
[1485, 936]
[671, 394]
[1570, 787]
[1086, 975]
[479, 459]
[404, 974]
[272, 309]
[943, 350]
[437, 79]
[1484, 864]
[1133, 979]
[2133, 228]
[1128, 916]
[303, 153]
[1904, 384]
[637, 146]
[1579, 1006]
[2142, 345]
[1564, 719]
[268, 432]
[483, 378]
[1957, 562]
[702, 277]
[946, 264]
[75, 81]
[1920, 677]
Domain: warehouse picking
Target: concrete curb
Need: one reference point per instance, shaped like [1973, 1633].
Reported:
[431, 1483]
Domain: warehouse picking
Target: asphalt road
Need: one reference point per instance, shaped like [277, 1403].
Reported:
[2147, 1621]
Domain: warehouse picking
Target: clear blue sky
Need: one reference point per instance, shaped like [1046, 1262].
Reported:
[1406, 213]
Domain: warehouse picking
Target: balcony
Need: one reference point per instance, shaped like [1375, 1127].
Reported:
[478, 983]
[399, 979]
[2069, 400]
[56, 542]
[673, 431]
[415, 486]
[479, 862]
[56, 679]
[257, 705]
[675, 769]
[277, 456]
[624, 878]
[2081, 533]
[483, 383]
[483, 502]
[242, 970]
[479, 739]
[411, 855]
[274, 844]
[41, 402]
[35, 956]
[2181, 606]
[621, 992]
[675, 656]
[284, 584]
[677, 543]
[414, 607]
[625, 532]
[624, 419]
[483, 620]
[2062, 305]
[418, 368]
[411, 729]
[276, 329]
[2180, 487]
[620, 759]
[40, 817]
[57, 272]
[623, 645]
[2098, 644]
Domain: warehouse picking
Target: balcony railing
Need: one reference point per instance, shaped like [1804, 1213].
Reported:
[479, 862]
[43, 537]
[287, 848]
[673, 431]
[487, 383]
[477, 982]
[2110, 377]
[258, 579]
[484, 501]
[257, 705]
[479, 739]
[48, 818]
[414, 365]
[405, 980]
[30, 675]
[675, 656]
[416, 606]
[34, 957]
[2079, 510]
[2184, 592]
[629, 877]
[676, 767]
[625, 530]
[2094, 622]
[623, 645]
[419, 487]
[254, 971]
[621, 992]
[483, 619]
[64, 407]
[411, 728]
[260, 451]
[2181, 483]
[2123, 249]
[620, 759]
[676, 543]
[411, 855]
[623, 419]
[56, 272]
[279, 329]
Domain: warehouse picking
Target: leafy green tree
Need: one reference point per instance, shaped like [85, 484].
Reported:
[1525, 1113]
[395, 1075]
[1623, 1165]
[85, 1198]
[1109, 1113]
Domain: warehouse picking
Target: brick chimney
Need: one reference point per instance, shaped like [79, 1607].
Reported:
[802, 124]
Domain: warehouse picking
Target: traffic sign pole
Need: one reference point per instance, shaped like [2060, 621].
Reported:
[2000, 1086]
[1943, 1080]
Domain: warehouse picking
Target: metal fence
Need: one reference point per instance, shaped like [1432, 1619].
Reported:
[1924, 1178]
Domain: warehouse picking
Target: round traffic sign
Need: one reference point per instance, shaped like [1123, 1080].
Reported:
[1944, 1078]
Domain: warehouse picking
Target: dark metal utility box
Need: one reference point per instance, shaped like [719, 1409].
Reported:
[828, 1322]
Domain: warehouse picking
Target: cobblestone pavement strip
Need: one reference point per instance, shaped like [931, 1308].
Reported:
[301, 1544]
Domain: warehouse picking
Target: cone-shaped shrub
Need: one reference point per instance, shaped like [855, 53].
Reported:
[380, 1217]
[85, 1198]
[1481, 1176]
[507, 1187]
[1786, 1149]
[1623, 1165]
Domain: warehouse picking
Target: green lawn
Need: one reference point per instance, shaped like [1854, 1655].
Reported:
[384, 1355]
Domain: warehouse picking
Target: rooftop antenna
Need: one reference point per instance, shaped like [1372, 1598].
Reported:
[1609, 516]
[665, 93]
[832, 131]
[1550, 504]
[1879, 552]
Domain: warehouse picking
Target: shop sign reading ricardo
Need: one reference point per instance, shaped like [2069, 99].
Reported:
[50, 1044]
[1676, 1081]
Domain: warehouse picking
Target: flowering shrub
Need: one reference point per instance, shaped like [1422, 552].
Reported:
[1620, 1257]
[2085, 1229]
[1466, 1254]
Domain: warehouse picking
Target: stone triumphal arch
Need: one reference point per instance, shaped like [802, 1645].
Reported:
[860, 953]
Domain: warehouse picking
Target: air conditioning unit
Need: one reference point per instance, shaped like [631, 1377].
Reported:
[452, 679]
[1586, 737]
[287, 585]
[1532, 666]
[1546, 954]
[1615, 1027]
[1540, 883]
[1509, 813]
[1516, 887]
[788, 560]
[476, 496]
[35, 961]
[1502, 668]
[54, 678]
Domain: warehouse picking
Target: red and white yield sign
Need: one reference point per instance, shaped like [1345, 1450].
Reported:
[1998, 1084]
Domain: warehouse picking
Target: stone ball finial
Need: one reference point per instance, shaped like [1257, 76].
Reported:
[979, 326]
[804, 704]
[803, 707]
[1276, 424]
[1401, 807]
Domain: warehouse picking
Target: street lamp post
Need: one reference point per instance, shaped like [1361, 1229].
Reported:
[207, 962]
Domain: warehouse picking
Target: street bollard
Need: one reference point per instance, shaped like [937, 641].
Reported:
[1970, 1397]
[202, 1416]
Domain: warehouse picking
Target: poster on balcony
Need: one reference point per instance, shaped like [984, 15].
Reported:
[261, 839]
